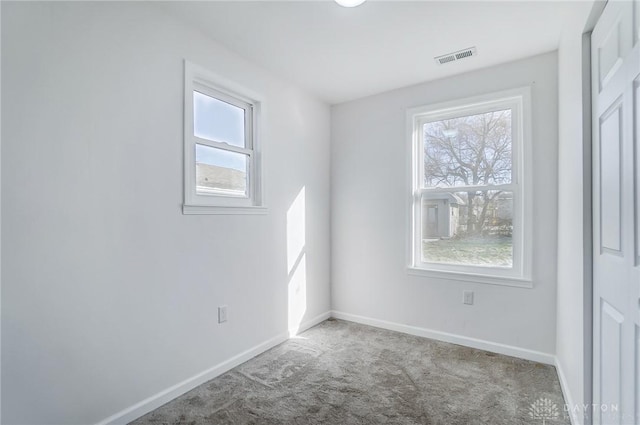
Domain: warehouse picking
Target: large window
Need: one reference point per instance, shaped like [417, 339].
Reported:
[222, 159]
[470, 200]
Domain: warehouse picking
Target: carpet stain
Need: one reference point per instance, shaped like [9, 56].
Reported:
[344, 373]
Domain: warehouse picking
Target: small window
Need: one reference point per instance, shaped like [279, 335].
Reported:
[470, 202]
[222, 156]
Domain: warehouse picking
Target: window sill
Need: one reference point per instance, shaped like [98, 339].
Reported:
[213, 210]
[473, 277]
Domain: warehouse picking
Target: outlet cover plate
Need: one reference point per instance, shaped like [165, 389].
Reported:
[222, 314]
[467, 297]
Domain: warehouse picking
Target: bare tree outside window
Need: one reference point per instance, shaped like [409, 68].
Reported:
[468, 218]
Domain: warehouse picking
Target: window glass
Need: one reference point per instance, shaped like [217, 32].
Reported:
[218, 121]
[468, 150]
[473, 228]
[220, 172]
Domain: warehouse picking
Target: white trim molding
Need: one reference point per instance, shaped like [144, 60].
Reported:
[568, 399]
[471, 277]
[518, 101]
[149, 404]
[200, 210]
[198, 201]
[494, 347]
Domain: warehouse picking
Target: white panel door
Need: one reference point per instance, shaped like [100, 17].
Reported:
[615, 66]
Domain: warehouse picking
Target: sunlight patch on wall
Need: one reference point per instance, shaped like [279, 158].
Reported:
[296, 222]
[296, 262]
[297, 296]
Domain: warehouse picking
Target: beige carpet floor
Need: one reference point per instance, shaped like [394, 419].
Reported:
[344, 373]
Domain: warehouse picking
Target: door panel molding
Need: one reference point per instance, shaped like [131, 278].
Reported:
[610, 182]
[636, 156]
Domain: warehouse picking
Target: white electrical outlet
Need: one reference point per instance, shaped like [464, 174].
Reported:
[222, 314]
[467, 297]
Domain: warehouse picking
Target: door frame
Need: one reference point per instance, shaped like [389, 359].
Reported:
[587, 223]
[587, 207]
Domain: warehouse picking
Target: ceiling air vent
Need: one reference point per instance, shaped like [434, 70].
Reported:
[456, 56]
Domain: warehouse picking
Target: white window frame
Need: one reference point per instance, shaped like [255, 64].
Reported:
[519, 101]
[199, 79]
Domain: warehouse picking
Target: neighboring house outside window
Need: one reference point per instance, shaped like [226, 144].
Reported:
[471, 200]
[222, 152]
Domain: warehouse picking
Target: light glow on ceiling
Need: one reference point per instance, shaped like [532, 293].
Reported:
[350, 3]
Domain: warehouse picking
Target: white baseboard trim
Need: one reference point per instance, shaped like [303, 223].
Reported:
[494, 347]
[145, 406]
[568, 399]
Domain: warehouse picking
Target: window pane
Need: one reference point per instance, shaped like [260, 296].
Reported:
[468, 228]
[471, 150]
[220, 172]
[216, 120]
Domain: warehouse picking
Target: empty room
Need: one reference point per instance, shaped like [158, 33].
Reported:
[320, 212]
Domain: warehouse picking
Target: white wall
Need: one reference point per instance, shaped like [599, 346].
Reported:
[109, 293]
[0, 227]
[571, 220]
[369, 216]
[574, 303]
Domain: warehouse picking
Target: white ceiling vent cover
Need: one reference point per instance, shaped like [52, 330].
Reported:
[456, 56]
